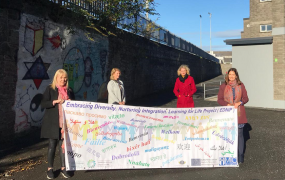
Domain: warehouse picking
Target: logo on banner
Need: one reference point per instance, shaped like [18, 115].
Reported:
[91, 163]
[195, 162]
[182, 162]
[227, 161]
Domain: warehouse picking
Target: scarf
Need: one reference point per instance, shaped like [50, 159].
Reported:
[228, 93]
[121, 87]
[182, 79]
[62, 94]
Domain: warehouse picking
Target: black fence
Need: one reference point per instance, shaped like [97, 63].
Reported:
[156, 33]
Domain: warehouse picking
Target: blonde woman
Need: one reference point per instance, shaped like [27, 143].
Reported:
[53, 97]
[116, 90]
[184, 88]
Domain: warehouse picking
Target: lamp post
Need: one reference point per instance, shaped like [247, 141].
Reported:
[200, 31]
[147, 6]
[210, 34]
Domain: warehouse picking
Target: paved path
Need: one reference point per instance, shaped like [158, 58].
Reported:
[264, 159]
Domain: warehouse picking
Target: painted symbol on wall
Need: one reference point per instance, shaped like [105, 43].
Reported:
[36, 111]
[34, 34]
[23, 98]
[22, 119]
[74, 66]
[55, 41]
[37, 71]
[103, 59]
[88, 71]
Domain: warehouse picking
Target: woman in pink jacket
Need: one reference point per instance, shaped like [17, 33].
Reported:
[233, 93]
[184, 88]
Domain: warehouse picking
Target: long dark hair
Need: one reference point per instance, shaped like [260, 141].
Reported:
[227, 76]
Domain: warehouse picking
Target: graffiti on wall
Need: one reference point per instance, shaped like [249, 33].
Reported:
[45, 47]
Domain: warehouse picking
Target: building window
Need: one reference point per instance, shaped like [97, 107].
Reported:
[266, 28]
[264, 0]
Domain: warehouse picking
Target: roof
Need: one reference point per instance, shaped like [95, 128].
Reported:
[249, 41]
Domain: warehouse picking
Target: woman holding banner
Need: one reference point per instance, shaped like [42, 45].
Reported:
[52, 125]
[184, 88]
[233, 93]
[116, 90]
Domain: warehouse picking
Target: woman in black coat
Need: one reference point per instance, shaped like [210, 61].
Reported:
[52, 124]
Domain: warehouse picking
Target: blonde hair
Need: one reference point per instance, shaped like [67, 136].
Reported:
[113, 71]
[58, 72]
[185, 67]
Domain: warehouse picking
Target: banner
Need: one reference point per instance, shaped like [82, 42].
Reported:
[105, 136]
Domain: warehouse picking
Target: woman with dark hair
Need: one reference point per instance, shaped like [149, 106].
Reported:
[184, 87]
[52, 126]
[233, 93]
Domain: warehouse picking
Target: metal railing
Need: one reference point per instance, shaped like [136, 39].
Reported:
[159, 34]
[204, 84]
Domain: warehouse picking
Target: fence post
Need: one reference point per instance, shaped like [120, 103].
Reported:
[204, 92]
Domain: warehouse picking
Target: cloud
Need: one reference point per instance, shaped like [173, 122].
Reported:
[219, 34]
[218, 48]
[227, 34]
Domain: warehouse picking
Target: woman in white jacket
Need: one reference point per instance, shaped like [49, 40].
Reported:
[116, 91]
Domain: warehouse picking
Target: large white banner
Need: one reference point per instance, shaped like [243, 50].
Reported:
[104, 136]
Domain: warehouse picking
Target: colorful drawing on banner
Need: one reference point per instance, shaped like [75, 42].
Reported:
[34, 36]
[233, 132]
[37, 71]
[88, 68]
[36, 111]
[119, 137]
[74, 66]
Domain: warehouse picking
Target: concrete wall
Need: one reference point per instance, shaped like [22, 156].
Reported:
[33, 47]
[255, 67]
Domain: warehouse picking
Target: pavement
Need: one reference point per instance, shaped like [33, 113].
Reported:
[264, 157]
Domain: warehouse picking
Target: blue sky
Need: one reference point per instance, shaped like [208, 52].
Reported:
[182, 18]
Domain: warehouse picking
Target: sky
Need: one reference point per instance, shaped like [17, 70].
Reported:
[182, 18]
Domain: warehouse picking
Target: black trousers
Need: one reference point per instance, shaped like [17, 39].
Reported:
[241, 145]
[51, 152]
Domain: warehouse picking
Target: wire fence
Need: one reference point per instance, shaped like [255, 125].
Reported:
[157, 33]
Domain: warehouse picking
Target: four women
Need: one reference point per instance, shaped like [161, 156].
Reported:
[231, 93]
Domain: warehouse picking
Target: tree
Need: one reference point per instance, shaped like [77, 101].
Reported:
[108, 14]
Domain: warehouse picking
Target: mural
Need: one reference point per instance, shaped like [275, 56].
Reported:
[45, 47]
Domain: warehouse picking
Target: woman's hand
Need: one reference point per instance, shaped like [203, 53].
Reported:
[122, 103]
[237, 105]
[59, 101]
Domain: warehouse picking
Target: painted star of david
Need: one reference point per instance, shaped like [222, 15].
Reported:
[37, 71]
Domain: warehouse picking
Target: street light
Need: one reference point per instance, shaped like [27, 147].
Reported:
[210, 34]
[200, 31]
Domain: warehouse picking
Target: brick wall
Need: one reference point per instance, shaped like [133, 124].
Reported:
[278, 8]
[260, 13]
[9, 42]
